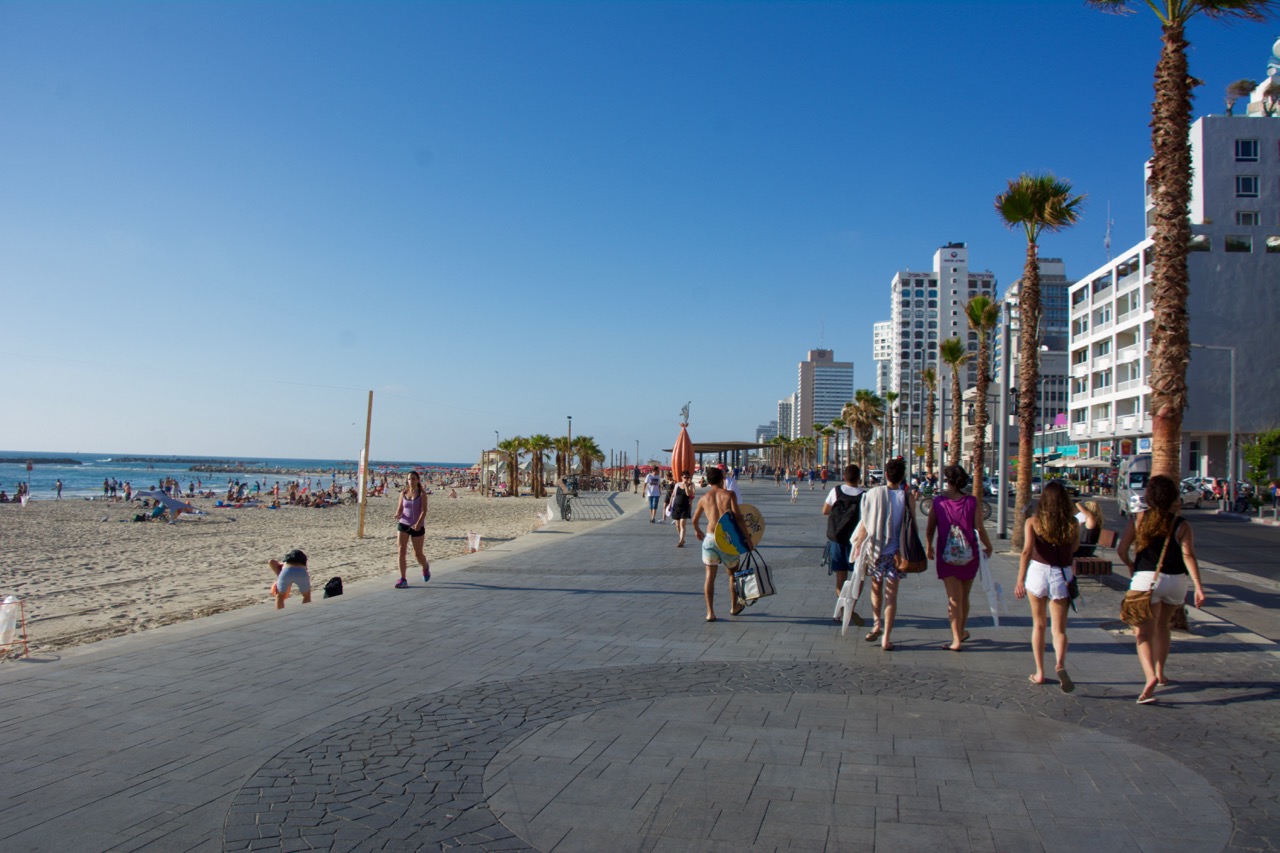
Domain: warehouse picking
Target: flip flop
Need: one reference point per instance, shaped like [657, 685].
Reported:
[1147, 700]
[1032, 679]
[965, 638]
[874, 635]
[711, 618]
[1065, 682]
[887, 648]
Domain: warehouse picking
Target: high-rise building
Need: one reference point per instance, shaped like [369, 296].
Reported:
[825, 386]
[1233, 267]
[786, 416]
[766, 432]
[882, 354]
[928, 307]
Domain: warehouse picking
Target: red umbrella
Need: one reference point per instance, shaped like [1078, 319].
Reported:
[682, 454]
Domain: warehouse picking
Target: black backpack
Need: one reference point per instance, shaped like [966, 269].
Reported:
[333, 587]
[844, 516]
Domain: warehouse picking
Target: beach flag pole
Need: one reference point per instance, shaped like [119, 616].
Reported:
[364, 467]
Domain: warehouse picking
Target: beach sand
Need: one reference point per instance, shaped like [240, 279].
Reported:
[86, 571]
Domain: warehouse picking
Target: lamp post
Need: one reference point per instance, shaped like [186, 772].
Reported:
[637, 451]
[569, 460]
[1231, 423]
[1044, 348]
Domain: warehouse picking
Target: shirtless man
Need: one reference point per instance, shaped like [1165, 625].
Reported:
[713, 504]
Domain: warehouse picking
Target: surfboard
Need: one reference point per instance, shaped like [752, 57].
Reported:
[731, 539]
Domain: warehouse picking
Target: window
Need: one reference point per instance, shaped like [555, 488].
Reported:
[1246, 186]
[1247, 217]
[1246, 150]
[1273, 244]
[1199, 243]
[1239, 243]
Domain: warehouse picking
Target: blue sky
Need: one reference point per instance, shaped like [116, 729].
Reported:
[221, 224]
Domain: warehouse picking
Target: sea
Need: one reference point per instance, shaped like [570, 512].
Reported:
[82, 473]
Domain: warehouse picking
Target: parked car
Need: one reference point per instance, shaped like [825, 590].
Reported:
[1036, 485]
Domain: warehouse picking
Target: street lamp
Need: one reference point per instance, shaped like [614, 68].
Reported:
[569, 461]
[1231, 441]
[1044, 348]
[495, 439]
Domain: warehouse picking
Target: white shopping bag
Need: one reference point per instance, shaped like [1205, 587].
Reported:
[847, 598]
[995, 594]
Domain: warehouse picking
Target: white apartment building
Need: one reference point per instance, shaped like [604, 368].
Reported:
[1234, 301]
[786, 417]
[928, 307]
[882, 355]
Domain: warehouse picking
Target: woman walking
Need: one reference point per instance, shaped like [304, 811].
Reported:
[956, 520]
[411, 525]
[880, 530]
[1051, 538]
[1165, 546]
[1089, 514]
[682, 504]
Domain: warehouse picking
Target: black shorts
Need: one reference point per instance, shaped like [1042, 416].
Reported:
[404, 528]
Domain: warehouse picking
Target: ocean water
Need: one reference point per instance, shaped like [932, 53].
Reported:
[85, 479]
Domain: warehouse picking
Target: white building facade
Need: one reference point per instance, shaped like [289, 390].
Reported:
[1234, 271]
[928, 308]
[882, 355]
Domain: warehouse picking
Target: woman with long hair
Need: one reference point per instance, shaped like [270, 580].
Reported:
[1089, 514]
[1051, 538]
[880, 530]
[956, 519]
[1163, 542]
[681, 505]
[411, 526]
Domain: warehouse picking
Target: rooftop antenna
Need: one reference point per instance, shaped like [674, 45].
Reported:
[822, 334]
[1106, 241]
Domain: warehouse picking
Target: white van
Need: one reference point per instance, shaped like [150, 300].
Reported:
[1131, 484]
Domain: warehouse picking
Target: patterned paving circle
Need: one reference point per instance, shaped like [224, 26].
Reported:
[499, 765]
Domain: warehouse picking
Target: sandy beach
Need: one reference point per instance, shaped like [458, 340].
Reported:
[86, 571]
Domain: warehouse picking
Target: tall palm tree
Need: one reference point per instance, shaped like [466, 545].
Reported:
[983, 313]
[538, 445]
[827, 433]
[838, 424]
[1171, 192]
[952, 352]
[564, 456]
[513, 447]
[929, 377]
[890, 404]
[867, 414]
[849, 414]
[1037, 203]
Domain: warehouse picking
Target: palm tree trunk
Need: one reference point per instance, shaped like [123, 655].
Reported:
[930, 412]
[1028, 376]
[957, 407]
[980, 410]
[1171, 183]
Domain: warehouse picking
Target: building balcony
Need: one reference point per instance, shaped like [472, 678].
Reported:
[1101, 362]
[1129, 385]
[1129, 281]
[1127, 354]
[1081, 370]
[1102, 425]
[1081, 428]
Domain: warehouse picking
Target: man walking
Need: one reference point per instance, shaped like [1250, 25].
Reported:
[713, 504]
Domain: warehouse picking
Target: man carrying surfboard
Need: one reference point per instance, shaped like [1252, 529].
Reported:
[715, 504]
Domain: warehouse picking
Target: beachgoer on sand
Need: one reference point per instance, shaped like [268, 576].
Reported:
[411, 525]
[291, 572]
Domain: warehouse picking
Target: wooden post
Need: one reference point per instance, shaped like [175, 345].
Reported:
[364, 474]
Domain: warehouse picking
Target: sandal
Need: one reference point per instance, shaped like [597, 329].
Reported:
[741, 607]
[1065, 682]
[874, 635]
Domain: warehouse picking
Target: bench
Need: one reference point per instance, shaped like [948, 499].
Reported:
[1087, 564]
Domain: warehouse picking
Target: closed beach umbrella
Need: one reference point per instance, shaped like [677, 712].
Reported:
[682, 454]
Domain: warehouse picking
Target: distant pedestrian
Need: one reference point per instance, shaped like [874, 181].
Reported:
[956, 518]
[1052, 536]
[681, 506]
[653, 491]
[291, 572]
[59, 488]
[1165, 545]
[411, 526]
[635, 480]
[731, 483]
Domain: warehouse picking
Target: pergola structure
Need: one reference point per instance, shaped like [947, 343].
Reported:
[727, 452]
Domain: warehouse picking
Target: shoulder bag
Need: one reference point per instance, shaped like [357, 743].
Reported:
[1136, 607]
[911, 558]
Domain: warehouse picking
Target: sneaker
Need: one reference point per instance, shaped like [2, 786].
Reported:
[426, 574]
[402, 584]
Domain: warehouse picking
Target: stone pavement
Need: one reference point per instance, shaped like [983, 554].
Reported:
[561, 692]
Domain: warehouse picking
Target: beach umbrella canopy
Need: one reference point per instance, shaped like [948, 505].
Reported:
[682, 453]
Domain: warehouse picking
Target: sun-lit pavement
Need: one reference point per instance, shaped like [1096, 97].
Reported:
[562, 692]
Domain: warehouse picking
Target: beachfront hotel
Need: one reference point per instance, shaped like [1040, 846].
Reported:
[1234, 270]
[882, 355]
[927, 308]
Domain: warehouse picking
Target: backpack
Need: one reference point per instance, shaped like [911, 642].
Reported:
[844, 516]
[333, 587]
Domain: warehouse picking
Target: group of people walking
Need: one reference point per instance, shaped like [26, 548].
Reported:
[876, 526]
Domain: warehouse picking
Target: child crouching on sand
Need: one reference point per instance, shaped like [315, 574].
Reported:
[293, 571]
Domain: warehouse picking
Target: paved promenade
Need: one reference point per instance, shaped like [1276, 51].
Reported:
[562, 693]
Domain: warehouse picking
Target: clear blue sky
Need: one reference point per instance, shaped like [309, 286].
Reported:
[221, 224]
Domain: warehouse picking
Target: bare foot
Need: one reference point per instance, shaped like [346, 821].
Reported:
[1036, 679]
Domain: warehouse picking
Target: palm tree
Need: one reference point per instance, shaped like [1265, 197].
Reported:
[929, 377]
[827, 432]
[564, 456]
[538, 445]
[588, 453]
[838, 424]
[952, 353]
[849, 414]
[890, 403]
[1038, 203]
[513, 447]
[983, 313]
[1237, 90]
[1171, 192]
[867, 414]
